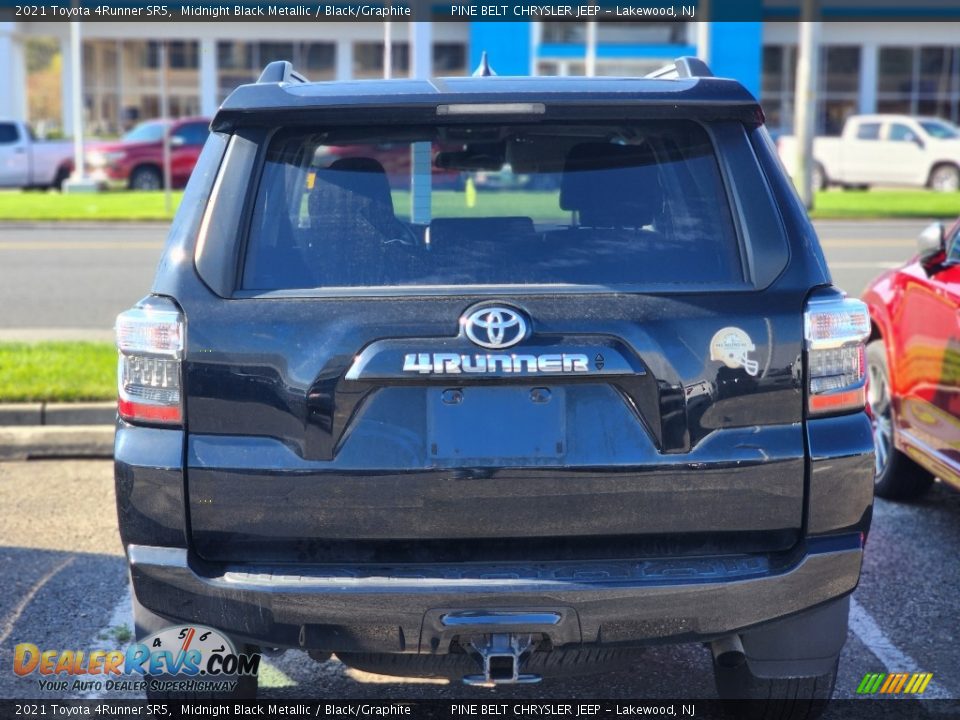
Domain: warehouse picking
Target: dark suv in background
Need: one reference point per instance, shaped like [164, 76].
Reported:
[498, 435]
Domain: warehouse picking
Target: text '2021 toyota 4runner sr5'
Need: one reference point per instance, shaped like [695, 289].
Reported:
[498, 434]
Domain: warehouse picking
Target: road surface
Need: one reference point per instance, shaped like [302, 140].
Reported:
[70, 281]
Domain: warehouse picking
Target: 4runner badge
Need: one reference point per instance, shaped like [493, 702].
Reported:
[495, 328]
[732, 346]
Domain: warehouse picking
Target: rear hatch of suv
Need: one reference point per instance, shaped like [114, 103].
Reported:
[493, 333]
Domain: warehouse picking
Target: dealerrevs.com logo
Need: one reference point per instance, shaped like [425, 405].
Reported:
[181, 658]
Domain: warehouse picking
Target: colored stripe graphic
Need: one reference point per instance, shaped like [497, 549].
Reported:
[870, 683]
[914, 683]
[894, 684]
[900, 683]
[891, 679]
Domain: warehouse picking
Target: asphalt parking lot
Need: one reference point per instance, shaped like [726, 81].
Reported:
[65, 579]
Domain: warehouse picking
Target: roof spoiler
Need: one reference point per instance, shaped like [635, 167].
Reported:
[281, 71]
[682, 67]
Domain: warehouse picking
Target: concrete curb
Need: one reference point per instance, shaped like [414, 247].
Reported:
[44, 414]
[35, 442]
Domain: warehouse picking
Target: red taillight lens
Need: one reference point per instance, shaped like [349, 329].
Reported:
[150, 343]
[835, 330]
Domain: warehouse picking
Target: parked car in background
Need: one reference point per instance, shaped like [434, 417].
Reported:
[136, 161]
[26, 162]
[397, 164]
[913, 363]
[884, 150]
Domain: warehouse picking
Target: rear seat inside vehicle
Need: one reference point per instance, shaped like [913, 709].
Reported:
[623, 223]
[351, 200]
[445, 233]
[486, 245]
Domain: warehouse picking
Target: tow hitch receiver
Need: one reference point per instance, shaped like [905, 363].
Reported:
[500, 655]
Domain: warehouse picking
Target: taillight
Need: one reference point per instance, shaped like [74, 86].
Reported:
[150, 343]
[835, 330]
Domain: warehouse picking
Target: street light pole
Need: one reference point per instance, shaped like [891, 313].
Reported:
[590, 62]
[387, 50]
[165, 117]
[703, 31]
[421, 56]
[76, 98]
[78, 180]
[805, 101]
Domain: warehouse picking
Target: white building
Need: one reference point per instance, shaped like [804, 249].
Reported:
[867, 67]
[121, 62]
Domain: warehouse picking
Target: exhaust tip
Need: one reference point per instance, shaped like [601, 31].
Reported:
[728, 652]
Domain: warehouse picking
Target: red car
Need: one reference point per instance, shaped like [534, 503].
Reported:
[914, 367]
[136, 161]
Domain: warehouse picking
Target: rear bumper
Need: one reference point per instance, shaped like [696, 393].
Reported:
[407, 608]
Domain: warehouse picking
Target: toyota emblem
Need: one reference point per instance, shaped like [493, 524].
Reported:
[495, 327]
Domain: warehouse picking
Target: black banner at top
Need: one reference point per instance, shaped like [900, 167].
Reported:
[475, 11]
[490, 707]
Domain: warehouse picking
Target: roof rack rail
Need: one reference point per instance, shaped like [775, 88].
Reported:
[683, 67]
[281, 71]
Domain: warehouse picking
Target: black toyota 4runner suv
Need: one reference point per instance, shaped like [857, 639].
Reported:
[498, 378]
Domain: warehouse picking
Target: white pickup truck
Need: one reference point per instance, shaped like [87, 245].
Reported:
[26, 162]
[884, 150]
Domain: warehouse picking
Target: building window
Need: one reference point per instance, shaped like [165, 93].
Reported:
[233, 56]
[839, 87]
[449, 59]
[838, 84]
[777, 82]
[269, 52]
[368, 59]
[235, 66]
[239, 63]
[616, 32]
[183, 55]
[319, 60]
[919, 81]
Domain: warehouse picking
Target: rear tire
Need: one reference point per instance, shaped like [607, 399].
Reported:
[146, 623]
[146, 178]
[791, 698]
[553, 664]
[896, 476]
[62, 176]
[944, 178]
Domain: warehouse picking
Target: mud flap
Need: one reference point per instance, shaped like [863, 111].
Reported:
[805, 645]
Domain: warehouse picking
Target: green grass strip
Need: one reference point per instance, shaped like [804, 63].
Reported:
[57, 371]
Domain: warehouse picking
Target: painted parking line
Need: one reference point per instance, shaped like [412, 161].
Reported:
[892, 657]
[10, 621]
[106, 639]
[121, 616]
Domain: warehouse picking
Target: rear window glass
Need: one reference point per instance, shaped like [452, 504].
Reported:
[616, 205]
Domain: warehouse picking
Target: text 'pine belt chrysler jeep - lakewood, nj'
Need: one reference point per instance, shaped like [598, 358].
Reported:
[376, 408]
